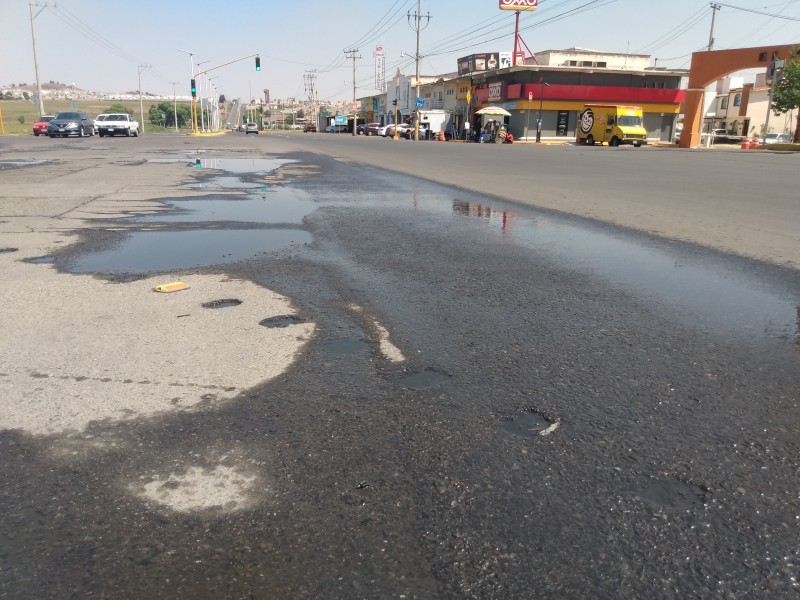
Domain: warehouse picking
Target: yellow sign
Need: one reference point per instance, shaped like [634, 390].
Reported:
[469, 96]
[519, 4]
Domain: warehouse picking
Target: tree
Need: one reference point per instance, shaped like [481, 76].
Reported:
[26, 95]
[21, 119]
[118, 108]
[222, 98]
[787, 92]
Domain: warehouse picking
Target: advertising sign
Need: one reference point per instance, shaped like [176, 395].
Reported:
[477, 63]
[380, 68]
[519, 4]
[495, 91]
[562, 125]
[505, 60]
[340, 120]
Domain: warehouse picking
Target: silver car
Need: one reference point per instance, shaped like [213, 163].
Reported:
[68, 123]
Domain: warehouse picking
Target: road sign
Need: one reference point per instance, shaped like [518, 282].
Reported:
[530, 96]
[356, 105]
[420, 102]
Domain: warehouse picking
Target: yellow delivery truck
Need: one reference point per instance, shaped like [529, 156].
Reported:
[611, 124]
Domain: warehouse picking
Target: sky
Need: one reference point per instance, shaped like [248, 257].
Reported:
[106, 45]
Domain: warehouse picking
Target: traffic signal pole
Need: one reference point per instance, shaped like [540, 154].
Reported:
[205, 71]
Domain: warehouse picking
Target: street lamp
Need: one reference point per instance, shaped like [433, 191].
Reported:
[539, 120]
[191, 76]
[202, 119]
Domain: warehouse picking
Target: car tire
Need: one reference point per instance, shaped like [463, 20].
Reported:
[52, 135]
[81, 132]
[36, 134]
[614, 142]
[136, 133]
[128, 132]
[101, 134]
[590, 140]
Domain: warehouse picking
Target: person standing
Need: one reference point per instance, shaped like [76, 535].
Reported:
[466, 130]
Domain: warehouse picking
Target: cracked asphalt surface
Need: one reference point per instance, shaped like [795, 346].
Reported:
[575, 408]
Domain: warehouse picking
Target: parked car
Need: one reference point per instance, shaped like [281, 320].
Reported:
[309, 128]
[337, 129]
[360, 129]
[68, 123]
[401, 127]
[777, 138]
[118, 123]
[97, 120]
[372, 128]
[40, 126]
[251, 128]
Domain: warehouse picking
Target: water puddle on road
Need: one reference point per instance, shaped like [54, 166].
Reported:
[275, 205]
[157, 251]
[256, 166]
[11, 164]
[696, 282]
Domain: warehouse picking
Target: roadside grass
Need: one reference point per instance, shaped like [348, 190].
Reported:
[13, 109]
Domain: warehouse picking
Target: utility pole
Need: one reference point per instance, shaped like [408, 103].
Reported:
[141, 104]
[311, 89]
[175, 104]
[418, 16]
[714, 8]
[35, 55]
[352, 54]
[191, 75]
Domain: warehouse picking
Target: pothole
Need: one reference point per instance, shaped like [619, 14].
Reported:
[672, 494]
[226, 303]
[351, 345]
[530, 423]
[281, 321]
[421, 381]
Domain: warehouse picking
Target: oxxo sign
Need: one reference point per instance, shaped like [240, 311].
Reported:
[495, 91]
[518, 4]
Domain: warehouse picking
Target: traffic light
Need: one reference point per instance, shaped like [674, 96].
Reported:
[394, 102]
[258, 63]
[194, 89]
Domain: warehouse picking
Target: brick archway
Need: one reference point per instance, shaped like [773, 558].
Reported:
[708, 67]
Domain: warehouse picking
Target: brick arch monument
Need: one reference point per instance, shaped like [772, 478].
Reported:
[708, 67]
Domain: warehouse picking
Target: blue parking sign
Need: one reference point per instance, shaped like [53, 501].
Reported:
[420, 102]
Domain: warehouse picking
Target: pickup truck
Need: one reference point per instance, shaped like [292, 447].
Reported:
[114, 124]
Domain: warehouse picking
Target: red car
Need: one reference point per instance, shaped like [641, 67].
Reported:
[40, 126]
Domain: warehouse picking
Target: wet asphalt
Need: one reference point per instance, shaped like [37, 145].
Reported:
[584, 412]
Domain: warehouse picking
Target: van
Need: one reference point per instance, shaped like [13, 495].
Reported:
[611, 124]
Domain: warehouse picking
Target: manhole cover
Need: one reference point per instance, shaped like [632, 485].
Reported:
[228, 302]
[281, 321]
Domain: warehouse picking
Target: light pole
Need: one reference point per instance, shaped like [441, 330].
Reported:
[191, 76]
[539, 120]
[200, 89]
[175, 104]
[141, 104]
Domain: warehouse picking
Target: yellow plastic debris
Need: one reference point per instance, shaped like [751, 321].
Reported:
[175, 286]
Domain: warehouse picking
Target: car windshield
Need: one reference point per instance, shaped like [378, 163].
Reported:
[68, 115]
[44, 119]
[630, 121]
[116, 118]
[101, 117]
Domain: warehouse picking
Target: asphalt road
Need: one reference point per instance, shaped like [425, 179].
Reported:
[473, 396]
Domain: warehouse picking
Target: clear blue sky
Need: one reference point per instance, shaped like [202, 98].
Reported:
[99, 44]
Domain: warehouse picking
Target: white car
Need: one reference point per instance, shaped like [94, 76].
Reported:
[99, 119]
[777, 138]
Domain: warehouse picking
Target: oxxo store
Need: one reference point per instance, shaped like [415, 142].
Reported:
[561, 93]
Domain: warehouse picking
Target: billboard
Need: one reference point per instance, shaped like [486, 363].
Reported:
[380, 68]
[519, 4]
[478, 63]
